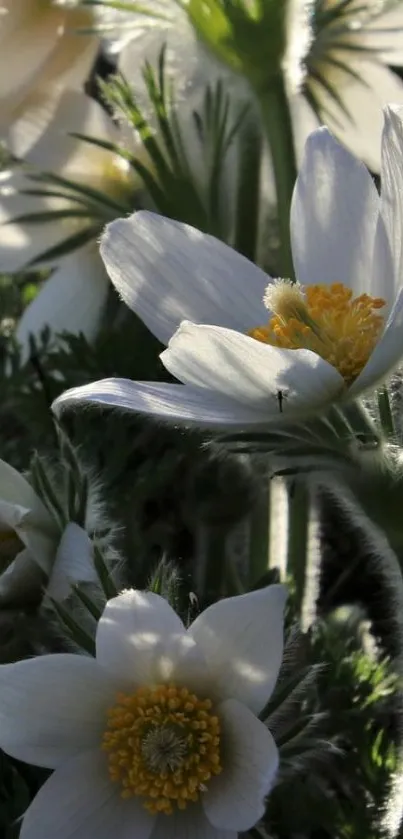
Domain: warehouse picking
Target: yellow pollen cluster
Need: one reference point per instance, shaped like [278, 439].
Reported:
[328, 320]
[163, 745]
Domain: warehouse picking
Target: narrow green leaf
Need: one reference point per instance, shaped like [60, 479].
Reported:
[75, 187]
[73, 242]
[45, 490]
[78, 634]
[89, 604]
[51, 215]
[104, 576]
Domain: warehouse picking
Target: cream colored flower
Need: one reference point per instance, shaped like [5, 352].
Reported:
[42, 52]
[336, 63]
[250, 350]
[344, 73]
[73, 297]
[158, 737]
[33, 550]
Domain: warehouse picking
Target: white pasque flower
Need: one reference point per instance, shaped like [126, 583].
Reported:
[73, 297]
[337, 68]
[33, 550]
[158, 736]
[41, 51]
[276, 351]
[336, 61]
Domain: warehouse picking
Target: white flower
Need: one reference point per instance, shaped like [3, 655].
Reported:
[32, 548]
[41, 50]
[335, 63]
[344, 73]
[333, 339]
[158, 737]
[74, 296]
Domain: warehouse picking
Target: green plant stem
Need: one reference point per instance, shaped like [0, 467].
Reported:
[211, 562]
[298, 511]
[278, 128]
[359, 419]
[385, 412]
[260, 534]
[248, 189]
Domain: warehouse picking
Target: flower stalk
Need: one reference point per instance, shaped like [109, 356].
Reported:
[276, 119]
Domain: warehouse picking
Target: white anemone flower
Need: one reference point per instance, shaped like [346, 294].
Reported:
[158, 736]
[73, 298]
[336, 61]
[32, 548]
[343, 72]
[251, 350]
[41, 49]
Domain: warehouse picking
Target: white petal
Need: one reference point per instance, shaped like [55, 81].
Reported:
[167, 272]
[333, 216]
[22, 581]
[307, 382]
[359, 125]
[384, 32]
[242, 641]
[36, 42]
[191, 823]
[54, 150]
[235, 800]
[67, 65]
[74, 562]
[304, 121]
[135, 635]
[190, 406]
[38, 534]
[71, 300]
[80, 801]
[52, 707]
[392, 190]
[248, 371]
[387, 353]
[15, 489]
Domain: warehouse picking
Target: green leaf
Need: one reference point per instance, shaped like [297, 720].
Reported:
[71, 243]
[89, 192]
[87, 601]
[104, 575]
[51, 215]
[78, 634]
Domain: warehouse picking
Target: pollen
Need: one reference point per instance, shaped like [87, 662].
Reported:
[326, 319]
[163, 745]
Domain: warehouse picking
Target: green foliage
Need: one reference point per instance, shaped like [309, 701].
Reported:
[167, 171]
[343, 791]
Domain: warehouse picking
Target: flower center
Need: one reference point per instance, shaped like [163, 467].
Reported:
[163, 745]
[326, 319]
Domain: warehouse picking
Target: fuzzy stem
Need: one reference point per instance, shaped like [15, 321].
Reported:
[385, 412]
[248, 198]
[359, 419]
[210, 570]
[298, 513]
[278, 127]
[259, 534]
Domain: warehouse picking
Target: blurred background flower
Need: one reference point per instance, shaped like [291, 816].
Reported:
[53, 207]
[42, 51]
[335, 56]
[344, 74]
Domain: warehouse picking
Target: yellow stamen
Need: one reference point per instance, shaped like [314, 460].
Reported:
[164, 746]
[326, 319]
